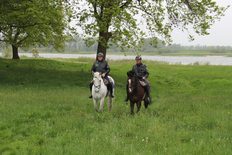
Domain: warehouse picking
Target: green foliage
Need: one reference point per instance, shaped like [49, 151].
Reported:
[44, 109]
[35, 52]
[33, 23]
[126, 23]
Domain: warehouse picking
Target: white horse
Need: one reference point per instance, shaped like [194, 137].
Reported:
[99, 92]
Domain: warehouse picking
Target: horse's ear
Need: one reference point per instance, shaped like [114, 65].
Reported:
[93, 73]
[100, 73]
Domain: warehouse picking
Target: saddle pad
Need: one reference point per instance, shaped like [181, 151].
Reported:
[105, 81]
[144, 84]
[111, 81]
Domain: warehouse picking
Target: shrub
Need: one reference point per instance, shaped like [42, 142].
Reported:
[7, 53]
[35, 52]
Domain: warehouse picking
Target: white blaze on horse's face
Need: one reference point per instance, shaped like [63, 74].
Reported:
[97, 81]
[129, 85]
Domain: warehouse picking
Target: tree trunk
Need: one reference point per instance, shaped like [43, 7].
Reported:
[15, 52]
[102, 44]
[101, 49]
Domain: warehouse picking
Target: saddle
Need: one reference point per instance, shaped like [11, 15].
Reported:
[106, 82]
[144, 84]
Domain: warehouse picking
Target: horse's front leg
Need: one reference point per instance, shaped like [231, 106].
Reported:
[95, 105]
[101, 104]
[138, 105]
[132, 107]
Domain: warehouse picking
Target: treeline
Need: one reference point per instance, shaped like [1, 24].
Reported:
[78, 45]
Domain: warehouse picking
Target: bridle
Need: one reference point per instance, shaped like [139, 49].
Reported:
[129, 86]
[97, 86]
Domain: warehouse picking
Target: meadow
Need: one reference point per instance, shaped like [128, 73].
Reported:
[45, 109]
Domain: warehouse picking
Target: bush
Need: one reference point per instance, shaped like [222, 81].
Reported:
[153, 50]
[166, 50]
[35, 52]
[218, 51]
[7, 53]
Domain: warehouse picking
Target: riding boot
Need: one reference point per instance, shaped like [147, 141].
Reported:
[126, 99]
[90, 87]
[110, 88]
[147, 93]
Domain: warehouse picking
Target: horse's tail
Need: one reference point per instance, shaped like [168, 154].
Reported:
[110, 103]
[110, 99]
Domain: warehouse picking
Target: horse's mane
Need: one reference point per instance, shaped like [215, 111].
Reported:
[130, 73]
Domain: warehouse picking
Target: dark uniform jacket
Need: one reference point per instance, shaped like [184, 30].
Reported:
[140, 71]
[101, 66]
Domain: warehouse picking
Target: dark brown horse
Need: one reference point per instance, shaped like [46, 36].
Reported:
[136, 92]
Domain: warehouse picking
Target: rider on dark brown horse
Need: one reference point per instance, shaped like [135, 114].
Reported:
[142, 73]
[102, 66]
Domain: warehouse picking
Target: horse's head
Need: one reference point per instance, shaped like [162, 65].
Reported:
[131, 81]
[97, 81]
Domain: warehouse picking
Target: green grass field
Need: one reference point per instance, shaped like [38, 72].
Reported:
[44, 109]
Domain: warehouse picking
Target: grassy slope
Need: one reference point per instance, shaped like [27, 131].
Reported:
[44, 109]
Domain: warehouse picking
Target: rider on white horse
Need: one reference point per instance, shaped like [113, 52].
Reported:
[142, 73]
[103, 67]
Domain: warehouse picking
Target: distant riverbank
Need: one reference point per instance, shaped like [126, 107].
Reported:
[183, 60]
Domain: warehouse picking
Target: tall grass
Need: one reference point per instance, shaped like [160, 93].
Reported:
[44, 109]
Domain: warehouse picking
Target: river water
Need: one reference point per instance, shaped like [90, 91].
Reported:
[183, 60]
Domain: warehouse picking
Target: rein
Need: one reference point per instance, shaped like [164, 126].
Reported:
[97, 86]
[134, 87]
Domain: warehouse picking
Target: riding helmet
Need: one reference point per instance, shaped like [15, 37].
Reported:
[138, 57]
[100, 55]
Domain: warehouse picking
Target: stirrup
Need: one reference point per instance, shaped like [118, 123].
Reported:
[149, 100]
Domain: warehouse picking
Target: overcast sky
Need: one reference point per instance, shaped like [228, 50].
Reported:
[220, 32]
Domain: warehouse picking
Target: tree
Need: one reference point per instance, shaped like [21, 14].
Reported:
[25, 23]
[117, 21]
